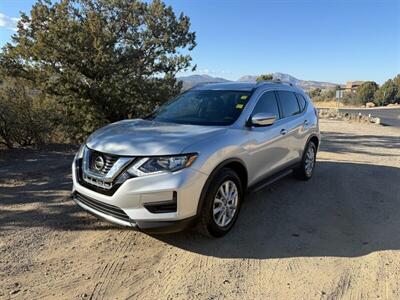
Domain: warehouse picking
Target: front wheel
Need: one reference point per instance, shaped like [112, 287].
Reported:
[306, 169]
[222, 204]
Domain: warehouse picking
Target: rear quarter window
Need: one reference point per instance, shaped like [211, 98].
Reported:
[289, 104]
[302, 101]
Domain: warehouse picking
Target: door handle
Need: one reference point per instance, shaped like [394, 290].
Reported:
[283, 131]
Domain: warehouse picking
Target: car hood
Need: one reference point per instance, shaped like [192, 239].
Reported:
[145, 138]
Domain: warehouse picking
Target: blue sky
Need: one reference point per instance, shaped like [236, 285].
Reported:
[317, 40]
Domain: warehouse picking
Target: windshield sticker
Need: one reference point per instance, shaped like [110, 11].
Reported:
[244, 97]
[239, 106]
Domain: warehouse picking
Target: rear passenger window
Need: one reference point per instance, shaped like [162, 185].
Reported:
[267, 104]
[289, 104]
[302, 101]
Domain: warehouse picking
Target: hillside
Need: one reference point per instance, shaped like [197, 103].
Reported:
[304, 84]
[192, 80]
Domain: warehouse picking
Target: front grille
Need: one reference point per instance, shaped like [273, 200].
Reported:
[107, 209]
[109, 177]
[109, 161]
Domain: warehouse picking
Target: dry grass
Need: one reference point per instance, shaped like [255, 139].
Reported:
[332, 104]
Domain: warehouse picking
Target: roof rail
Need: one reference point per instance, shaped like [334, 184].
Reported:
[201, 84]
[274, 81]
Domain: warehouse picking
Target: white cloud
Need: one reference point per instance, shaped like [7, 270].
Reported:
[8, 22]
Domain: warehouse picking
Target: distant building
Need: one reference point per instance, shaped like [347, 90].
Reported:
[351, 86]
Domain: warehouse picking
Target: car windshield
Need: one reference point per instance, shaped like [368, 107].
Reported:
[203, 107]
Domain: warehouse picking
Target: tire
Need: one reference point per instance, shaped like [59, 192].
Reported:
[304, 172]
[211, 224]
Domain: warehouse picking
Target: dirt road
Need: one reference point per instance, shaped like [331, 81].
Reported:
[336, 236]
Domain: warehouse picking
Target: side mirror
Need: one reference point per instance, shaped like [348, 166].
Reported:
[262, 119]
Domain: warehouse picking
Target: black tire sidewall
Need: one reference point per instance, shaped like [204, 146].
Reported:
[303, 163]
[222, 176]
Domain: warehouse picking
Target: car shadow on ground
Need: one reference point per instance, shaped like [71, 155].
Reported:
[346, 210]
[338, 142]
[35, 188]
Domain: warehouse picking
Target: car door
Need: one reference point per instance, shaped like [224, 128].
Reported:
[267, 149]
[293, 124]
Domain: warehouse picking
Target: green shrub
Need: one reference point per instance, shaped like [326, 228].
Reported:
[25, 117]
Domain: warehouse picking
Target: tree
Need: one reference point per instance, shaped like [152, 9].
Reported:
[114, 59]
[26, 118]
[349, 98]
[396, 81]
[315, 94]
[265, 77]
[366, 92]
[388, 92]
[329, 94]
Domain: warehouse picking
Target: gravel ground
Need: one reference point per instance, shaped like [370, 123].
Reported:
[335, 236]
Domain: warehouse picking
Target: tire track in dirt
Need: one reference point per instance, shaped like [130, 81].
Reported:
[64, 274]
[342, 287]
[109, 272]
[128, 242]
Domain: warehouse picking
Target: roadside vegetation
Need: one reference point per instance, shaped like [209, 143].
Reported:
[76, 65]
[368, 92]
[265, 77]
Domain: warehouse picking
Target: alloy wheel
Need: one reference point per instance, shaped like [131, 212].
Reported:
[309, 161]
[225, 203]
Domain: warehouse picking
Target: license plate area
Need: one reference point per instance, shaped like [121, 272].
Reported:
[97, 182]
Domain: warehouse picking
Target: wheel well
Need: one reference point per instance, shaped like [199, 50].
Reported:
[232, 164]
[315, 140]
[240, 170]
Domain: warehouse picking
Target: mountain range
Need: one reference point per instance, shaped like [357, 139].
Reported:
[192, 80]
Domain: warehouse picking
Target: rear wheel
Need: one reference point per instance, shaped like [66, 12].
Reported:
[221, 204]
[306, 169]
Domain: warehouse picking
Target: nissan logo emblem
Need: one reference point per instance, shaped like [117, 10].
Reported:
[99, 163]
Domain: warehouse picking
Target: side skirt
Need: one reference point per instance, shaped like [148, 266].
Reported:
[271, 179]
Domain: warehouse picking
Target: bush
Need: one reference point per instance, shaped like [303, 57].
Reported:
[25, 117]
[318, 95]
[28, 117]
[366, 92]
[265, 77]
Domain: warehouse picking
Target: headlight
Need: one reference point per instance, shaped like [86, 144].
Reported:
[155, 165]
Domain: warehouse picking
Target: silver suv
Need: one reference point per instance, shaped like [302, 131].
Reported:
[193, 159]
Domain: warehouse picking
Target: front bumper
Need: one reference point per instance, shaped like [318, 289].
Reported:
[133, 202]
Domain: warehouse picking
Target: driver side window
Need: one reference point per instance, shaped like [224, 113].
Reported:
[267, 104]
